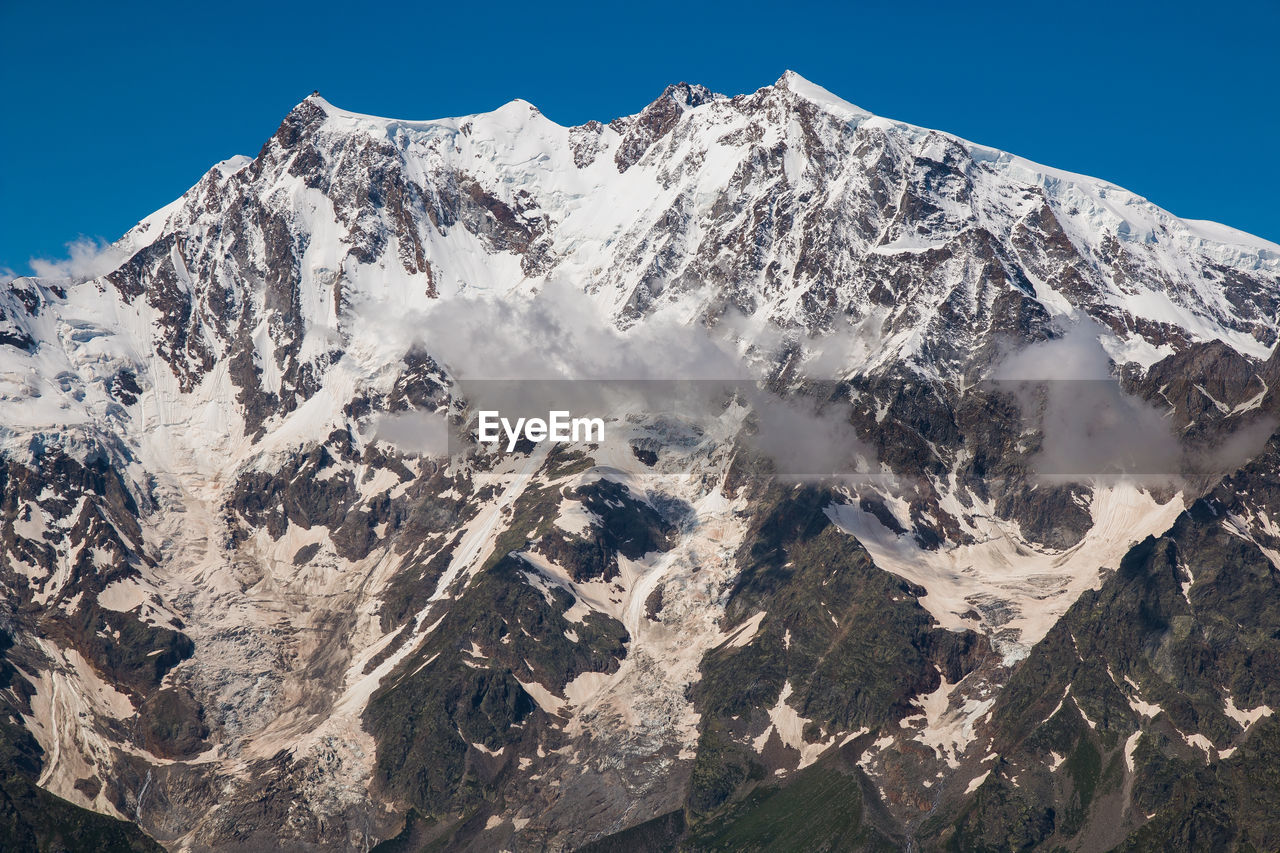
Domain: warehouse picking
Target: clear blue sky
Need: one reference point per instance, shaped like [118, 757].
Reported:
[112, 110]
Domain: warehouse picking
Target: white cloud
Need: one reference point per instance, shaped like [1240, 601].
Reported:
[561, 333]
[559, 349]
[1092, 428]
[87, 257]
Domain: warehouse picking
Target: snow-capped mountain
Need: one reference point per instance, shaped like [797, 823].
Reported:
[245, 611]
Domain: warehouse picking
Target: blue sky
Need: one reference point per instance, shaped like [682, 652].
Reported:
[113, 110]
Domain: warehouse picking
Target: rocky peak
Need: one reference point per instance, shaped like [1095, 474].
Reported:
[658, 119]
[690, 94]
[793, 84]
[309, 114]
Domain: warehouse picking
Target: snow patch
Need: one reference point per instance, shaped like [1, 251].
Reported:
[790, 728]
[1034, 585]
[1245, 718]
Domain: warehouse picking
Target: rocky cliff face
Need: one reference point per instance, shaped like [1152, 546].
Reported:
[246, 609]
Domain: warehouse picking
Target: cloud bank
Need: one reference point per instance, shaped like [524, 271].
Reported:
[558, 349]
[1091, 428]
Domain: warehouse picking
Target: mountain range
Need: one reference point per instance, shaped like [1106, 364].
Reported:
[249, 606]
